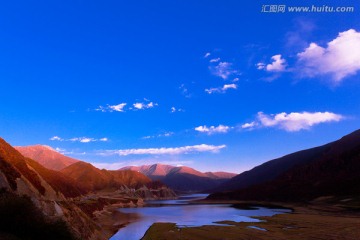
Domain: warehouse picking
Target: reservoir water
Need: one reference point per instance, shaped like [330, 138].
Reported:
[185, 214]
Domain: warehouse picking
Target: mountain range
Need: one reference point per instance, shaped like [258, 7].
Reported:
[64, 201]
[182, 178]
[89, 178]
[329, 170]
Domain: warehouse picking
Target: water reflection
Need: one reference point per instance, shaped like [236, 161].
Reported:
[186, 215]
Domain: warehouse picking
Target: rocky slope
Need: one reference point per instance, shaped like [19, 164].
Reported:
[81, 200]
[19, 177]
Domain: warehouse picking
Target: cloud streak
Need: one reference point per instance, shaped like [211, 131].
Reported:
[174, 109]
[164, 151]
[79, 139]
[121, 107]
[222, 89]
[295, 121]
[212, 129]
[165, 134]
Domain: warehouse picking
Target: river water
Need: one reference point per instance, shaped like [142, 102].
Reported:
[185, 214]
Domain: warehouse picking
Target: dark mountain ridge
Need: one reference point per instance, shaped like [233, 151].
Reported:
[330, 170]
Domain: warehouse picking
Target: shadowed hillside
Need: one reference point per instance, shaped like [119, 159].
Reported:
[332, 171]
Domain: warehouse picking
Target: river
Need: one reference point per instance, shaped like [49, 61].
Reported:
[185, 214]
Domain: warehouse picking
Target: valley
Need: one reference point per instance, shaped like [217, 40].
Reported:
[318, 184]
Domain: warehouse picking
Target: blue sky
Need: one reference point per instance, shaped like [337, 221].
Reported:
[208, 84]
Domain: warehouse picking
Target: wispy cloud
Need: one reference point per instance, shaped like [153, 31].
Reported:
[56, 138]
[67, 152]
[296, 121]
[223, 70]
[185, 91]
[174, 109]
[212, 129]
[165, 134]
[207, 55]
[164, 150]
[122, 107]
[222, 89]
[214, 60]
[117, 108]
[249, 125]
[112, 108]
[339, 59]
[302, 30]
[79, 139]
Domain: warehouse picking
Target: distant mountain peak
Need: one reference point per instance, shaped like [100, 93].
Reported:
[182, 178]
[45, 147]
[46, 156]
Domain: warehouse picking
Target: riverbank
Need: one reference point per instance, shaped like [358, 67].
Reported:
[307, 221]
[102, 207]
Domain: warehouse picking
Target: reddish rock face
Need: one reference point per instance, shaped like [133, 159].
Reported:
[47, 156]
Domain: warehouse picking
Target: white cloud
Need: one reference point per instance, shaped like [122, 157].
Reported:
[223, 70]
[66, 152]
[278, 64]
[111, 108]
[222, 89]
[138, 105]
[165, 134]
[56, 138]
[82, 139]
[61, 150]
[164, 151]
[207, 55]
[339, 59]
[141, 106]
[79, 139]
[260, 66]
[236, 79]
[214, 60]
[248, 125]
[174, 109]
[212, 129]
[295, 121]
[121, 107]
[117, 108]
